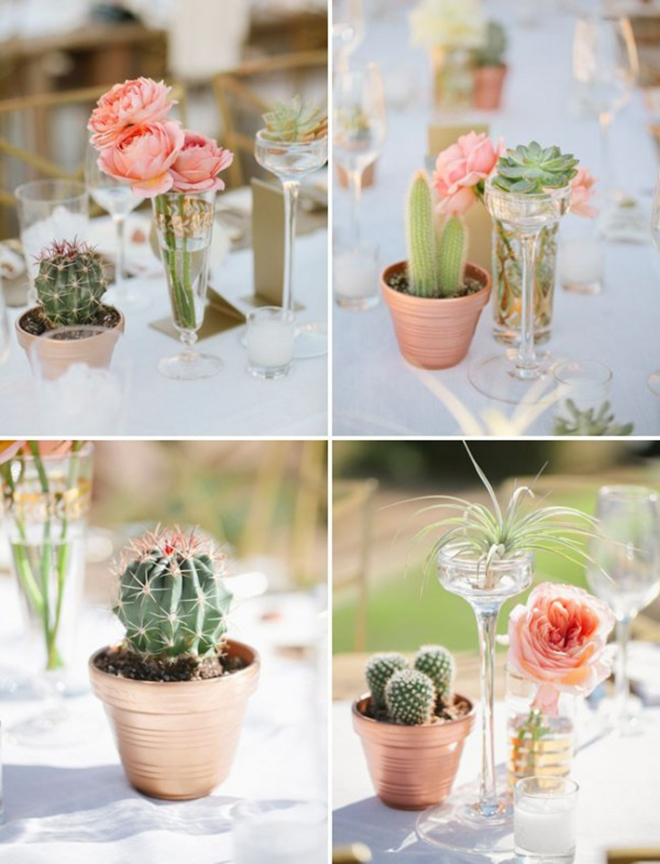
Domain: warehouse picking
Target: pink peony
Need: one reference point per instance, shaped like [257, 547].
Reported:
[463, 165]
[133, 103]
[198, 163]
[557, 639]
[144, 156]
[582, 192]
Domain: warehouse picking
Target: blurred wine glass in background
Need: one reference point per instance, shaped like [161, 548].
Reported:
[347, 30]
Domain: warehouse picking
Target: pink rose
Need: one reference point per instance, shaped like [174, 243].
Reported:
[144, 156]
[558, 640]
[198, 163]
[582, 192]
[133, 103]
[460, 202]
[464, 165]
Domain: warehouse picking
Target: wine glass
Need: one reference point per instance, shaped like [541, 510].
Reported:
[116, 198]
[347, 30]
[605, 71]
[625, 571]
[654, 378]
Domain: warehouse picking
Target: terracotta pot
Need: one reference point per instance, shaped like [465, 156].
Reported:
[177, 739]
[488, 87]
[368, 177]
[411, 767]
[58, 355]
[433, 332]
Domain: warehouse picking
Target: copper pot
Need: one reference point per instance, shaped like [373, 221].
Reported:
[411, 767]
[58, 355]
[488, 87]
[177, 739]
[368, 176]
[435, 332]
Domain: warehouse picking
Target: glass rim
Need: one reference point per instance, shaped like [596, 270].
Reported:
[86, 450]
[628, 491]
[272, 311]
[290, 145]
[571, 787]
[563, 365]
[22, 192]
[547, 195]
[500, 565]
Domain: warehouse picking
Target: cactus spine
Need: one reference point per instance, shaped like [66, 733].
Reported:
[452, 255]
[437, 662]
[421, 239]
[171, 596]
[379, 670]
[410, 697]
[70, 285]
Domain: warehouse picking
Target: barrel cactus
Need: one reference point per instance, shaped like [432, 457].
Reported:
[533, 169]
[70, 284]
[438, 663]
[410, 697]
[379, 670]
[171, 595]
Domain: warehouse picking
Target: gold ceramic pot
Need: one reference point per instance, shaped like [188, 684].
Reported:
[411, 767]
[177, 739]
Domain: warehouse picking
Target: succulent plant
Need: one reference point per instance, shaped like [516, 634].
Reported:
[295, 121]
[70, 284]
[171, 597]
[493, 50]
[533, 169]
[379, 670]
[410, 697]
[438, 664]
[590, 422]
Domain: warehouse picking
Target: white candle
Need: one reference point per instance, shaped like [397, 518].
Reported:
[355, 275]
[581, 262]
[544, 826]
[270, 343]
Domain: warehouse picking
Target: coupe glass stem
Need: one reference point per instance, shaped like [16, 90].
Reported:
[486, 624]
[291, 189]
[527, 364]
[621, 676]
[120, 225]
[355, 185]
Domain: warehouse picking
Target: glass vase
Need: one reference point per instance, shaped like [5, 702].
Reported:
[46, 500]
[507, 283]
[538, 745]
[453, 79]
[184, 225]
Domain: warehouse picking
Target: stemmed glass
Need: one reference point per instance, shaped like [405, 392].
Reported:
[605, 71]
[514, 377]
[654, 378]
[347, 30]
[626, 571]
[482, 826]
[291, 162]
[117, 199]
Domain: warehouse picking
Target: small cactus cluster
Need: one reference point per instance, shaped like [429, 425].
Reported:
[436, 258]
[70, 285]
[493, 50]
[533, 169]
[171, 595]
[410, 696]
[295, 121]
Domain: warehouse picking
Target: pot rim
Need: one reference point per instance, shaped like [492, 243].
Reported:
[432, 300]
[371, 721]
[250, 669]
[118, 325]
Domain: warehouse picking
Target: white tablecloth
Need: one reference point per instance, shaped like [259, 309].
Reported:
[375, 391]
[231, 403]
[619, 803]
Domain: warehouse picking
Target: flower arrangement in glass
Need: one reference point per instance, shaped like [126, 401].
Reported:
[46, 490]
[178, 169]
[557, 652]
[485, 554]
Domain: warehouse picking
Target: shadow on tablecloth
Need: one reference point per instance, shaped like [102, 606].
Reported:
[96, 804]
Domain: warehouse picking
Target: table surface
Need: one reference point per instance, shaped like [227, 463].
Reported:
[231, 403]
[618, 805]
[375, 391]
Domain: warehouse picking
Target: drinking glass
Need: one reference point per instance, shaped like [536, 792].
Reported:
[280, 832]
[514, 377]
[356, 275]
[271, 333]
[625, 572]
[291, 162]
[545, 819]
[479, 821]
[605, 71]
[116, 198]
[582, 387]
[654, 378]
[184, 225]
[49, 211]
[347, 30]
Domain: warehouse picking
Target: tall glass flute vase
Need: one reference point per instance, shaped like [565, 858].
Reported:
[654, 377]
[518, 377]
[184, 224]
[291, 162]
[46, 501]
[117, 199]
[625, 573]
[479, 822]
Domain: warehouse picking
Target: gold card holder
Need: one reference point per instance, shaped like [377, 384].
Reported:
[220, 316]
[477, 219]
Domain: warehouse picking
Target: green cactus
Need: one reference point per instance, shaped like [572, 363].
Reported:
[172, 598]
[452, 255]
[422, 241]
[493, 50]
[531, 170]
[70, 285]
[438, 663]
[410, 697]
[379, 670]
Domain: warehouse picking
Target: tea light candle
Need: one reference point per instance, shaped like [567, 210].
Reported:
[581, 265]
[544, 818]
[356, 278]
[270, 341]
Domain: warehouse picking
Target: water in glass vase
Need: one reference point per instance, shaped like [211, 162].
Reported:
[187, 294]
[538, 746]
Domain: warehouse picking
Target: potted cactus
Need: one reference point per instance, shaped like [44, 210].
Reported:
[435, 298]
[412, 727]
[175, 690]
[70, 287]
[490, 69]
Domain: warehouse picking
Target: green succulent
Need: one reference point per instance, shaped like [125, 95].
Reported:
[533, 169]
[295, 121]
[438, 663]
[378, 672]
[493, 50]
[410, 697]
[589, 422]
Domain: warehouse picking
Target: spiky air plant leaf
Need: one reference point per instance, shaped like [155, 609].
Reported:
[533, 169]
[590, 422]
[295, 121]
